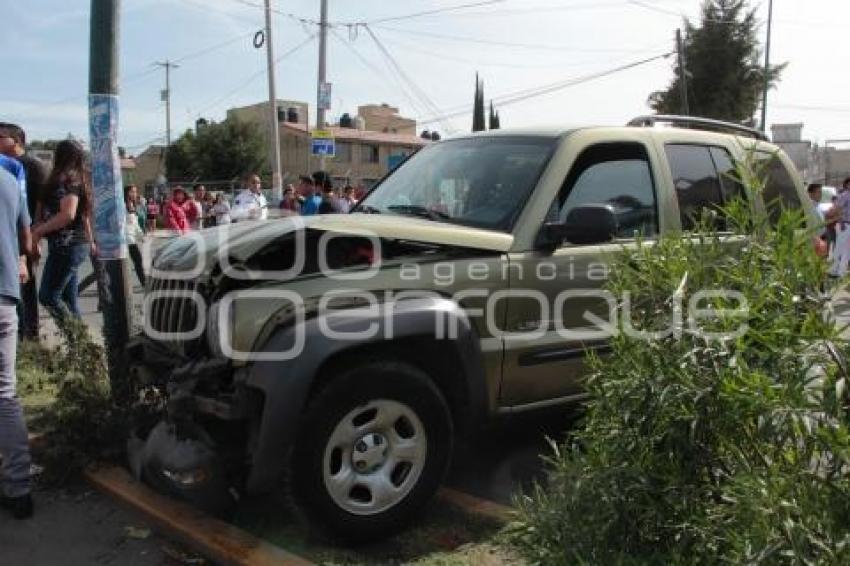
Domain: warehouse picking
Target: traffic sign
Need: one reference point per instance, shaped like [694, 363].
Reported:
[323, 143]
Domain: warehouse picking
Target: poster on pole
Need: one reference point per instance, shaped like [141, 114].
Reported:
[322, 143]
[107, 186]
[325, 96]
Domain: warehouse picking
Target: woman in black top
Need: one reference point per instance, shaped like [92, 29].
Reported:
[67, 226]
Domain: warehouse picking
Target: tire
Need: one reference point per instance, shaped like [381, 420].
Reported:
[373, 447]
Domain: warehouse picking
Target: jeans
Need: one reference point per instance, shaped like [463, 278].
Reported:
[28, 307]
[58, 291]
[138, 263]
[14, 442]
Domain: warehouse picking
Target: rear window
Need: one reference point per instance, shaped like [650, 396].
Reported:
[780, 192]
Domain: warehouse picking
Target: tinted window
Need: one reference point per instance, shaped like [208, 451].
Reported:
[618, 175]
[696, 182]
[780, 192]
[732, 188]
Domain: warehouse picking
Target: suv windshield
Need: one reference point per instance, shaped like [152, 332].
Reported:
[481, 182]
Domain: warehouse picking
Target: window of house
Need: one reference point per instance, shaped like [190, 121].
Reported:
[697, 184]
[343, 152]
[780, 192]
[614, 174]
[369, 153]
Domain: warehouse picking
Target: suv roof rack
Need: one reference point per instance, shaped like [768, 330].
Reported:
[697, 124]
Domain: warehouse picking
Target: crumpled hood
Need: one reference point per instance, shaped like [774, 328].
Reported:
[243, 239]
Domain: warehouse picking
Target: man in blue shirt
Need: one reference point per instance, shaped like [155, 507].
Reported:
[15, 242]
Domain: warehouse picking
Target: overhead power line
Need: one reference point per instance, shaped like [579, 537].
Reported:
[542, 46]
[248, 81]
[429, 12]
[380, 74]
[420, 94]
[519, 96]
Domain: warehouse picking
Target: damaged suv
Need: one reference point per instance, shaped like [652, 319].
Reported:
[340, 356]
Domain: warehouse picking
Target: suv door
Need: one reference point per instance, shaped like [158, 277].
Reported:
[555, 294]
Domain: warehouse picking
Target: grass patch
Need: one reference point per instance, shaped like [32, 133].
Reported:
[37, 383]
[445, 536]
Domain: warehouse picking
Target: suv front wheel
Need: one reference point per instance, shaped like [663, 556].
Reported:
[373, 447]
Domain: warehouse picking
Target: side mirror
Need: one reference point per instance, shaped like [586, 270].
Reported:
[591, 224]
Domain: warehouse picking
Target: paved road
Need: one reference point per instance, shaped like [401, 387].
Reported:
[80, 526]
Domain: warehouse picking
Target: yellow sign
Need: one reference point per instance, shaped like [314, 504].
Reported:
[321, 134]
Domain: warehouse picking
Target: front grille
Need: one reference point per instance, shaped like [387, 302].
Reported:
[171, 310]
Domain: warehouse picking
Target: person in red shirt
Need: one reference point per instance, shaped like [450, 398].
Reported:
[175, 212]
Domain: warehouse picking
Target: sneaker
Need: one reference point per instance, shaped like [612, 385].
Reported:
[20, 507]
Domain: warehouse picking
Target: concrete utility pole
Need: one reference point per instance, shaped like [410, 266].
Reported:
[323, 53]
[683, 74]
[274, 134]
[166, 96]
[110, 219]
[766, 68]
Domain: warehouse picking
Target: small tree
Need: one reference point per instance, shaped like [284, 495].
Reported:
[220, 150]
[725, 73]
[494, 118]
[722, 444]
[478, 123]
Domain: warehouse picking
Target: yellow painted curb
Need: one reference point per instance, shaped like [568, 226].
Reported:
[215, 539]
[475, 505]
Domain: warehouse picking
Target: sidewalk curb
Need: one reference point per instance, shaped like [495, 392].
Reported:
[473, 505]
[213, 538]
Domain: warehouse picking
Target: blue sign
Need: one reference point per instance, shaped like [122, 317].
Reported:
[323, 146]
[110, 215]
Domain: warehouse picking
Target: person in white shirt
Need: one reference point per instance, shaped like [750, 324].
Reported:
[221, 210]
[250, 203]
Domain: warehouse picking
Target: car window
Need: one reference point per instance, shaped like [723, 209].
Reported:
[729, 182]
[698, 189]
[618, 175]
[780, 192]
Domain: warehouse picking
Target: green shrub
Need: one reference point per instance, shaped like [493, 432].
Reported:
[82, 424]
[702, 450]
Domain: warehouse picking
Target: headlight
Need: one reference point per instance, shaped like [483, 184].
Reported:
[218, 328]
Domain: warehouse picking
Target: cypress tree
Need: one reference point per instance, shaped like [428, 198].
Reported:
[478, 123]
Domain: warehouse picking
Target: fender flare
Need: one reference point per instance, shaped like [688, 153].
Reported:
[286, 384]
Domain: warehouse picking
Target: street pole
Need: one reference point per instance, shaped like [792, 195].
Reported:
[766, 68]
[323, 52]
[167, 65]
[274, 133]
[683, 77]
[108, 191]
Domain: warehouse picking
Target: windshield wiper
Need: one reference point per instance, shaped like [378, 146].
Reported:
[365, 208]
[420, 211]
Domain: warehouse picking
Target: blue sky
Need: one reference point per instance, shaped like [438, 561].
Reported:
[45, 56]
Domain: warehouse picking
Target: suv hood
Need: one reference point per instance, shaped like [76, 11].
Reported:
[244, 239]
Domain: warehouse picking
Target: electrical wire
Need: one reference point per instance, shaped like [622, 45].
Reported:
[519, 96]
[812, 108]
[421, 94]
[378, 73]
[542, 46]
[248, 81]
[429, 12]
[479, 63]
